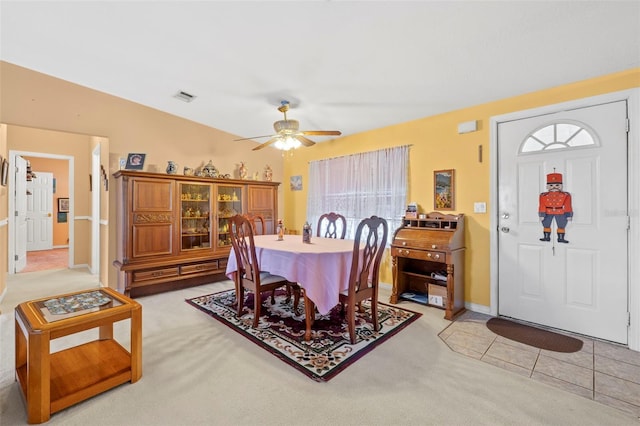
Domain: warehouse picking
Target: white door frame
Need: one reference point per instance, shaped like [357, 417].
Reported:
[95, 210]
[12, 157]
[632, 96]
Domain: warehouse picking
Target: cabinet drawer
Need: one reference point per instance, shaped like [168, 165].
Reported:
[155, 274]
[199, 267]
[432, 256]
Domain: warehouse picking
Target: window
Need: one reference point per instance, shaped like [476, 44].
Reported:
[561, 135]
[359, 186]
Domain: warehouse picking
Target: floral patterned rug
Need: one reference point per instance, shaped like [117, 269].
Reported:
[281, 331]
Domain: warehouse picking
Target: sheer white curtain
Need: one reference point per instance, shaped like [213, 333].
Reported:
[360, 185]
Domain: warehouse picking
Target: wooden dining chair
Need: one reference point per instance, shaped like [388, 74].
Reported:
[248, 276]
[334, 223]
[257, 223]
[293, 289]
[365, 271]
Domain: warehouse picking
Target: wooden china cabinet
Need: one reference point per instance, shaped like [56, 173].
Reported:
[173, 231]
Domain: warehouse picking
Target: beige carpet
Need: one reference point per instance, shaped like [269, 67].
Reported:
[199, 372]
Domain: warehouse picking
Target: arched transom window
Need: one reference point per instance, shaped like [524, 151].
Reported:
[561, 135]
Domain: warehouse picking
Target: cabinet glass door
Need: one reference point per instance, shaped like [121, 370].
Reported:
[229, 202]
[195, 208]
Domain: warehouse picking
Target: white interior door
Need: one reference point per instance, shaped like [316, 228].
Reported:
[40, 212]
[20, 238]
[580, 285]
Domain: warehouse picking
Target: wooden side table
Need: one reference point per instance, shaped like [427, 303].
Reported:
[51, 382]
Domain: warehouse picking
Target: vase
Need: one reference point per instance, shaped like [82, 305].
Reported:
[172, 168]
[242, 171]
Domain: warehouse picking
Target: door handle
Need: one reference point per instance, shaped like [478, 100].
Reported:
[49, 214]
[505, 229]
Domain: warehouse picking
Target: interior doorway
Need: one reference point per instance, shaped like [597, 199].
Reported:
[21, 199]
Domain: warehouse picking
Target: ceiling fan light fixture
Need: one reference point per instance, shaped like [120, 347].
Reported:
[286, 143]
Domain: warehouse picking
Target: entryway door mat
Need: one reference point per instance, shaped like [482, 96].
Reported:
[532, 336]
[281, 331]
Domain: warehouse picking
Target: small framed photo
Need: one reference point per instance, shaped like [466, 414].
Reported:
[444, 189]
[5, 171]
[135, 161]
[296, 183]
[63, 205]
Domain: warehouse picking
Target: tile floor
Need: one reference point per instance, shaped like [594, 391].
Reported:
[604, 372]
[41, 260]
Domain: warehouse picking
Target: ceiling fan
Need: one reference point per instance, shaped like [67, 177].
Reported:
[288, 136]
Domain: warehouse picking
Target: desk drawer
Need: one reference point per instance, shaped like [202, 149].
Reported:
[155, 274]
[199, 267]
[432, 256]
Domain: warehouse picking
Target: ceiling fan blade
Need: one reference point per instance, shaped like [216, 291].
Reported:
[267, 143]
[304, 141]
[322, 132]
[255, 137]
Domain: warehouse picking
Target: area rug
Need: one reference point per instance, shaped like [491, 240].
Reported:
[281, 331]
[532, 336]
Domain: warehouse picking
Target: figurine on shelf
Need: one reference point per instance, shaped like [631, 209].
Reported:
[172, 168]
[209, 170]
[268, 173]
[242, 171]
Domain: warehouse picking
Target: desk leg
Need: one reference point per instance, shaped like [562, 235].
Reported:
[309, 314]
[38, 378]
[136, 343]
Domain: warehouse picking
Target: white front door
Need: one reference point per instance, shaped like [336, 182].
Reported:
[576, 280]
[20, 237]
[40, 212]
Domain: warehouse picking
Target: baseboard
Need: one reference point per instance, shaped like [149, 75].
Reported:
[481, 309]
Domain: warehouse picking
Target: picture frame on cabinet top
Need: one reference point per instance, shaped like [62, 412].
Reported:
[135, 161]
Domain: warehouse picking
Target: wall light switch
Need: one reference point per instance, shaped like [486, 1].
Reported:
[480, 207]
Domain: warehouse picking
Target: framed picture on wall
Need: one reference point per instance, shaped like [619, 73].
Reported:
[135, 161]
[63, 205]
[444, 189]
[296, 183]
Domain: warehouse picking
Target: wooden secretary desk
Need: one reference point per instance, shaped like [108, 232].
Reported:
[428, 262]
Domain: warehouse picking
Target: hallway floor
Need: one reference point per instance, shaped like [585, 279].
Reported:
[601, 371]
[41, 260]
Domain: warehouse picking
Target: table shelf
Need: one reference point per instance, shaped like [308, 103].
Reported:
[51, 382]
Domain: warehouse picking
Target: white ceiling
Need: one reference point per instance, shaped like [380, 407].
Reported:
[343, 65]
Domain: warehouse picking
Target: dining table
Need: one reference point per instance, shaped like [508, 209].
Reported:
[321, 268]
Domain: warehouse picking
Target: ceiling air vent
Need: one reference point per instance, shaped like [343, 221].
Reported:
[184, 96]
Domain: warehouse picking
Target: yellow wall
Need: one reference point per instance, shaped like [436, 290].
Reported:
[435, 145]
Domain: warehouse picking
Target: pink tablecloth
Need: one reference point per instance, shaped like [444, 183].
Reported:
[321, 268]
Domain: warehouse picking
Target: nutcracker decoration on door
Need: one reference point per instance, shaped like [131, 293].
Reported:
[555, 204]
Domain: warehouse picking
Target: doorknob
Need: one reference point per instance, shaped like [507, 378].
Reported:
[49, 214]
[505, 229]
[505, 215]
